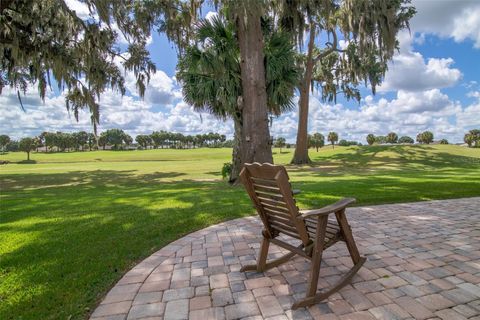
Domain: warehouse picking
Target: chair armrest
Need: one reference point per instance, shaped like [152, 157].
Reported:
[339, 205]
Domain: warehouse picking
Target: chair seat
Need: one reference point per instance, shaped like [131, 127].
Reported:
[332, 234]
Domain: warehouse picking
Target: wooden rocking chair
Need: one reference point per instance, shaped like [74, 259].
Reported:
[269, 188]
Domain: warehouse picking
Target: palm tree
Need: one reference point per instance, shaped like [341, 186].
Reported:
[370, 139]
[392, 137]
[469, 139]
[332, 138]
[280, 143]
[317, 140]
[211, 78]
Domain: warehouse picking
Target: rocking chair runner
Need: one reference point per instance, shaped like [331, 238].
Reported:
[269, 188]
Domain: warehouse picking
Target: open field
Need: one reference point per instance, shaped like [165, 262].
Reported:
[72, 223]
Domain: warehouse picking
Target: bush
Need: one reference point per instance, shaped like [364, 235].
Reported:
[405, 139]
[346, 143]
[370, 139]
[444, 141]
[226, 170]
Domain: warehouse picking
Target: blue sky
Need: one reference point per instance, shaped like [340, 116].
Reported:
[433, 83]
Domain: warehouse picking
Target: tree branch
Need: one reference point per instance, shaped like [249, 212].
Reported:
[332, 47]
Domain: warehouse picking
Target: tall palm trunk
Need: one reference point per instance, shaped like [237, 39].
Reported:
[237, 147]
[255, 140]
[301, 148]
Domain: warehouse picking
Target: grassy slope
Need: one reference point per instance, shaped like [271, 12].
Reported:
[71, 224]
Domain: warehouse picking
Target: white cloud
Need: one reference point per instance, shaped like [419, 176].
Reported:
[407, 114]
[80, 8]
[162, 89]
[459, 20]
[408, 70]
[128, 113]
[210, 15]
[474, 94]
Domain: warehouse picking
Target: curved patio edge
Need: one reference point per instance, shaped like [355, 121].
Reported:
[422, 262]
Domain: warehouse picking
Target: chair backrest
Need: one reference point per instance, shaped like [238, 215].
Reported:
[270, 191]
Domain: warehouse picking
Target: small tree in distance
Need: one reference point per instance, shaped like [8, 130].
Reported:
[380, 139]
[425, 137]
[4, 140]
[280, 143]
[475, 137]
[469, 139]
[370, 139]
[27, 145]
[332, 138]
[392, 137]
[405, 139]
[317, 140]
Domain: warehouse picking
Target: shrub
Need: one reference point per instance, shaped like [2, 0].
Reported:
[347, 143]
[425, 137]
[444, 141]
[380, 139]
[226, 170]
[405, 139]
[370, 139]
[392, 137]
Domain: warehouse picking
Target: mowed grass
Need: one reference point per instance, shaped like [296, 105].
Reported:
[72, 223]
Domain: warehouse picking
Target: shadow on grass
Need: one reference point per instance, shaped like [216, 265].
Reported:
[26, 162]
[76, 240]
[372, 158]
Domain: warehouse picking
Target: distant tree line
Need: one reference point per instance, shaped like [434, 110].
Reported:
[164, 139]
[59, 141]
[115, 139]
[425, 137]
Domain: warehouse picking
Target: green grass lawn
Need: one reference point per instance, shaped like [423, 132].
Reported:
[72, 223]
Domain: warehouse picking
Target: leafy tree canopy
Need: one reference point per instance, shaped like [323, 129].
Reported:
[392, 137]
[316, 140]
[425, 137]
[40, 40]
[370, 139]
[405, 139]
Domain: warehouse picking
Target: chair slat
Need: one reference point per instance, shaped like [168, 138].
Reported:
[275, 207]
[265, 182]
[268, 194]
[267, 187]
[288, 232]
[280, 214]
[282, 219]
[272, 201]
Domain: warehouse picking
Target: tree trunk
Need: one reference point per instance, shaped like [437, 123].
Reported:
[301, 148]
[255, 144]
[236, 153]
[28, 155]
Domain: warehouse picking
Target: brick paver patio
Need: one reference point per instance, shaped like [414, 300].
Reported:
[423, 262]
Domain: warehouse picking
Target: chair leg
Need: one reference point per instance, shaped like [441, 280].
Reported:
[262, 258]
[325, 294]
[262, 264]
[313, 297]
[317, 255]
[347, 235]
